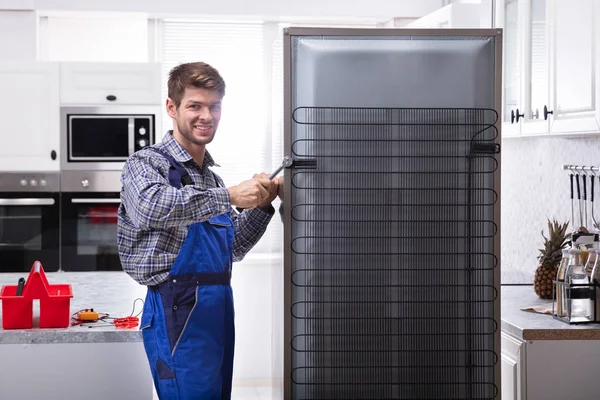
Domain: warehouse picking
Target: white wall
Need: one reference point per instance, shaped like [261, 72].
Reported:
[18, 35]
[534, 187]
[273, 8]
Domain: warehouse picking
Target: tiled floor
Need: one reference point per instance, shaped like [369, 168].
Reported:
[254, 393]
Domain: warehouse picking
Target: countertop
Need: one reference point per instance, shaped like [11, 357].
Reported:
[533, 326]
[108, 292]
[115, 293]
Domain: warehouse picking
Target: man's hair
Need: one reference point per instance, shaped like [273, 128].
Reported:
[197, 74]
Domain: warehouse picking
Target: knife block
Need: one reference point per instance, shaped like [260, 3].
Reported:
[55, 302]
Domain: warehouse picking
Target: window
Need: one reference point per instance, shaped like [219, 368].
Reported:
[242, 145]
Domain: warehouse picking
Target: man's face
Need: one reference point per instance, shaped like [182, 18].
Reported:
[198, 115]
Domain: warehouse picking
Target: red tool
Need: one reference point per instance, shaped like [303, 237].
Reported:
[127, 322]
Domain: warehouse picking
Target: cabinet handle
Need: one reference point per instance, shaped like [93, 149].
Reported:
[512, 116]
[519, 115]
[53, 155]
[111, 97]
[536, 114]
[546, 112]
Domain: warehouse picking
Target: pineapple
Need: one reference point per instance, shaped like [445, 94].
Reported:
[549, 258]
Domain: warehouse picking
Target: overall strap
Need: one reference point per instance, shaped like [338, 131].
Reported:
[178, 176]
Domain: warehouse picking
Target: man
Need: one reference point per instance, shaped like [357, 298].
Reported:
[178, 234]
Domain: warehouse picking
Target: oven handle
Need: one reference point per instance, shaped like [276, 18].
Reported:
[26, 202]
[103, 201]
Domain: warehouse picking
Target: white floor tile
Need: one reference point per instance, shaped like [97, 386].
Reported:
[244, 393]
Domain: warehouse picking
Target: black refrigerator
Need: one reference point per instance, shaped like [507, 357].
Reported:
[391, 275]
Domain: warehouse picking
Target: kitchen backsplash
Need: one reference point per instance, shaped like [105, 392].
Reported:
[534, 187]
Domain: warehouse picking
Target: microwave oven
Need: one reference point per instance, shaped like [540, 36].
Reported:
[104, 137]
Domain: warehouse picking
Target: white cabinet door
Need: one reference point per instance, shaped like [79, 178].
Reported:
[536, 63]
[513, 368]
[509, 18]
[575, 100]
[29, 117]
[110, 83]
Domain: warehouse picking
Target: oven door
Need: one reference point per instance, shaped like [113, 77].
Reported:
[29, 231]
[89, 231]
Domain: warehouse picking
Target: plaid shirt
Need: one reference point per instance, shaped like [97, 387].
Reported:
[154, 216]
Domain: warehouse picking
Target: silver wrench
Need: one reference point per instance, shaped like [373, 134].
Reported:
[287, 162]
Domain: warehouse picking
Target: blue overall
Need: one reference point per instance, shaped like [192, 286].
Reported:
[188, 321]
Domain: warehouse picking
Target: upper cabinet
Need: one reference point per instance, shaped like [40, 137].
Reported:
[550, 58]
[110, 83]
[29, 110]
[575, 90]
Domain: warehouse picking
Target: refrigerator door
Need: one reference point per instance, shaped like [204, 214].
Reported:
[392, 221]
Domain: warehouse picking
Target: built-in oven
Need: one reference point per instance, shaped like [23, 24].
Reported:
[104, 137]
[89, 205]
[29, 221]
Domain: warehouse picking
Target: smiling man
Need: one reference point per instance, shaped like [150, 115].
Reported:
[178, 234]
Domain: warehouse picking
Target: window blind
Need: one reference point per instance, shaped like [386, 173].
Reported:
[236, 50]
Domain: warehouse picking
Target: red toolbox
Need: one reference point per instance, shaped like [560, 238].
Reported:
[55, 302]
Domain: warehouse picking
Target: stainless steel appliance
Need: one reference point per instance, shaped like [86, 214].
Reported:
[89, 206]
[391, 229]
[29, 221]
[102, 138]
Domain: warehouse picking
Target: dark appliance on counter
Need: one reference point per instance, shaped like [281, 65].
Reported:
[89, 204]
[29, 221]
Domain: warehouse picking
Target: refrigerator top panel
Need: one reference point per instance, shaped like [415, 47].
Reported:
[369, 68]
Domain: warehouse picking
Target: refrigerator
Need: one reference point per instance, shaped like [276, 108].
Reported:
[391, 275]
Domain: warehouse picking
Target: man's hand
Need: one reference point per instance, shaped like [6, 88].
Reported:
[251, 193]
[272, 188]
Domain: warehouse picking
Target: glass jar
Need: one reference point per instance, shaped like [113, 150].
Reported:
[578, 290]
[589, 264]
[560, 277]
[595, 291]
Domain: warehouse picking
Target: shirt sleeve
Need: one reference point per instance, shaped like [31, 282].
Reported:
[249, 227]
[152, 203]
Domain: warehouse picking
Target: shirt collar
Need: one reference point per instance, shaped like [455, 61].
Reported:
[181, 155]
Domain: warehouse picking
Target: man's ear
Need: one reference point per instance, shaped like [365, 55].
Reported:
[171, 108]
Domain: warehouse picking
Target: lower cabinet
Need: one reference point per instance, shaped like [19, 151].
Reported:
[550, 369]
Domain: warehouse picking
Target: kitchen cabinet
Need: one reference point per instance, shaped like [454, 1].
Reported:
[575, 91]
[550, 67]
[513, 371]
[110, 83]
[509, 18]
[455, 15]
[29, 115]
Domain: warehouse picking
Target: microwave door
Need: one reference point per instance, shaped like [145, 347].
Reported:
[100, 137]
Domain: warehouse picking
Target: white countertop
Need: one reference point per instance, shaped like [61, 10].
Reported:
[107, 292]
[115, 293]
[533, 326]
